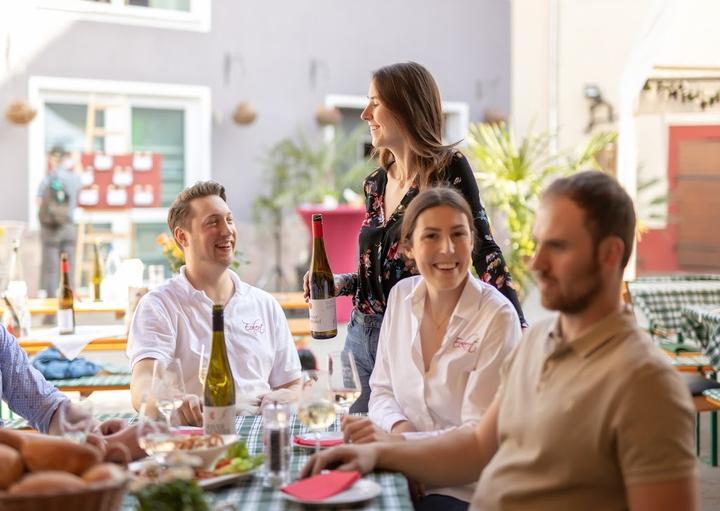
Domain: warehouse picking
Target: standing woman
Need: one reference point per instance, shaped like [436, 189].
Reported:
[404, 114]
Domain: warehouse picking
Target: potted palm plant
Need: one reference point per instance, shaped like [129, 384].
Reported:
[315, 174]
[512, 173]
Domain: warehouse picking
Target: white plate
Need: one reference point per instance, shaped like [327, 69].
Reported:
[362, 490]
[310, 437]
[216, 482]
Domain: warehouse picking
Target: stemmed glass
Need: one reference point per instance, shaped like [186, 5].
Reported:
[315, 407]
[75, 424]
[154, 430]
[167, 388]
[344, 379]
[204, 364]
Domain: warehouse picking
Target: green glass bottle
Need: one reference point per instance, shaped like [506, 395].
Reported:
[219, 391]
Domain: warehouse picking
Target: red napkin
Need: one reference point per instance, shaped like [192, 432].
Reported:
[310, 442]
[321, 486]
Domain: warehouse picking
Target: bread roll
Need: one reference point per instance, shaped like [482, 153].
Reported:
[47, 482]
[104, 472]
[11, 466]
[51, 453]
[11, 438]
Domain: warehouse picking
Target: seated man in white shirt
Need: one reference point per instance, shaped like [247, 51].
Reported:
[173, 321]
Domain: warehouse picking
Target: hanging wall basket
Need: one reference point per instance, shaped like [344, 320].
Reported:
[327, 116]
[244, 113]
[19, 112]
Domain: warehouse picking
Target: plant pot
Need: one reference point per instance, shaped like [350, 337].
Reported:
[341, 226]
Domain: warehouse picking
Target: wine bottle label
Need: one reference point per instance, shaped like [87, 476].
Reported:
[322, 315]
[219, 419]
[65, 321]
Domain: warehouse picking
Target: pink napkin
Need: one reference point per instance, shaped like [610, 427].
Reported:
[321, 486]
[310, 442]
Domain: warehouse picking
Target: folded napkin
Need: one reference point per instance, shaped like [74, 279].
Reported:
[310, 441]
[321, 486]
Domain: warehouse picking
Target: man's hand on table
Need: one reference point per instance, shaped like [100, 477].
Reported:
[190, 412]
[361, 430]
[362, 458]
[282, 396]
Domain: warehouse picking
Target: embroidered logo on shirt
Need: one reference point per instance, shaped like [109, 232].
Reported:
[468, 345]
[255, 326]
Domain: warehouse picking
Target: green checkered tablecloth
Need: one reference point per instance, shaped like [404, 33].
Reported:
[662, 301]
[122, 381]
[703, 323]
[683, 361]
[713, 394]
[251, 495]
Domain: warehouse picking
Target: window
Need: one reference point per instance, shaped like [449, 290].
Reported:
[171, 120]
[172, 14]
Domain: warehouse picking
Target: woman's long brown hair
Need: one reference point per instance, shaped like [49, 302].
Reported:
[410, 93]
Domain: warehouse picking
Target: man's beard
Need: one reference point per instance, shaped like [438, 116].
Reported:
[574, 304]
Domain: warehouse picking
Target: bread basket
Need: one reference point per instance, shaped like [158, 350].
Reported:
[100, 497]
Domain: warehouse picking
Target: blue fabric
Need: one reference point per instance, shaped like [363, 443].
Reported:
[53, 366]
[22, 386]
[362, 340]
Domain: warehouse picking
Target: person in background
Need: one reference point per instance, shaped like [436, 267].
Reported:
[404, 113]
[31, 396]
[174, 320]
[444, 337]
[589, 414]
[56, 200]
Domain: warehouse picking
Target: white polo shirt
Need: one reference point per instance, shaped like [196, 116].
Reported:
[464, 373]
[175, 320]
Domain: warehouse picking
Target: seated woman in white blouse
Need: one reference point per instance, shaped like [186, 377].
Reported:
[443, 339]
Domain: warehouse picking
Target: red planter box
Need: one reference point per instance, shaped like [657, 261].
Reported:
[341, 226]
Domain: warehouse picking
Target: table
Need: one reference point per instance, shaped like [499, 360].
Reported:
[662, 301]
[703, 324]
[291, 300]
[250, 495]
[40, 306]
[85, 338]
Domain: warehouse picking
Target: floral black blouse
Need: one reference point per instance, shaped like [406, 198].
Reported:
[381, 264]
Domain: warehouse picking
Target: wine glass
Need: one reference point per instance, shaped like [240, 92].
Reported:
[76, 420]
[167, 388]
[154, 430]
[204, 364]
[315, 407]
[344, 379]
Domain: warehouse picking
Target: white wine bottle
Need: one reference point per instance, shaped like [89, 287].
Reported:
[219, 391]
[66, 302]
[97, 273]
[323, 321]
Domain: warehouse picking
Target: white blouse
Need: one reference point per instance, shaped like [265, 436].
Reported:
[464, 373]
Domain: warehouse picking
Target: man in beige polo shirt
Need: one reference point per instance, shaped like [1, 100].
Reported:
[589, 414]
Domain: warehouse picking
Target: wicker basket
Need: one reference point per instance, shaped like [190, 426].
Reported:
[107, 497]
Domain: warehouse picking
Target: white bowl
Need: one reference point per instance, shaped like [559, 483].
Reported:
[210, 455]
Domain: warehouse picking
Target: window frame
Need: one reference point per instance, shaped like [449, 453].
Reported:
[198, 19]
[193, 100]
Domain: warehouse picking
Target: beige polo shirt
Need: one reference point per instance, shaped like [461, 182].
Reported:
[581, 420]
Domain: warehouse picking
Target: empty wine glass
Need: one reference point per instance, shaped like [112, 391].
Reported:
[204, 364]
[315, 407]
[344, 379]
[167, 388]
[76, 420]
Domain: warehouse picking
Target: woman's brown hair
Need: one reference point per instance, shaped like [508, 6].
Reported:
[410, 93]
[433, 197]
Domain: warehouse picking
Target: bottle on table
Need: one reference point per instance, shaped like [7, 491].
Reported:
[219, 389]
[323, 321]
[276, 441]
[66, 302]
[97, 273]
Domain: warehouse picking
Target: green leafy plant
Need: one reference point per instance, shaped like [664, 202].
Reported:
[511, 174]
[308, 170]
[176, 495]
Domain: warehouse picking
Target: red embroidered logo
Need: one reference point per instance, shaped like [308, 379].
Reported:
[468, 345]
[256, 326]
